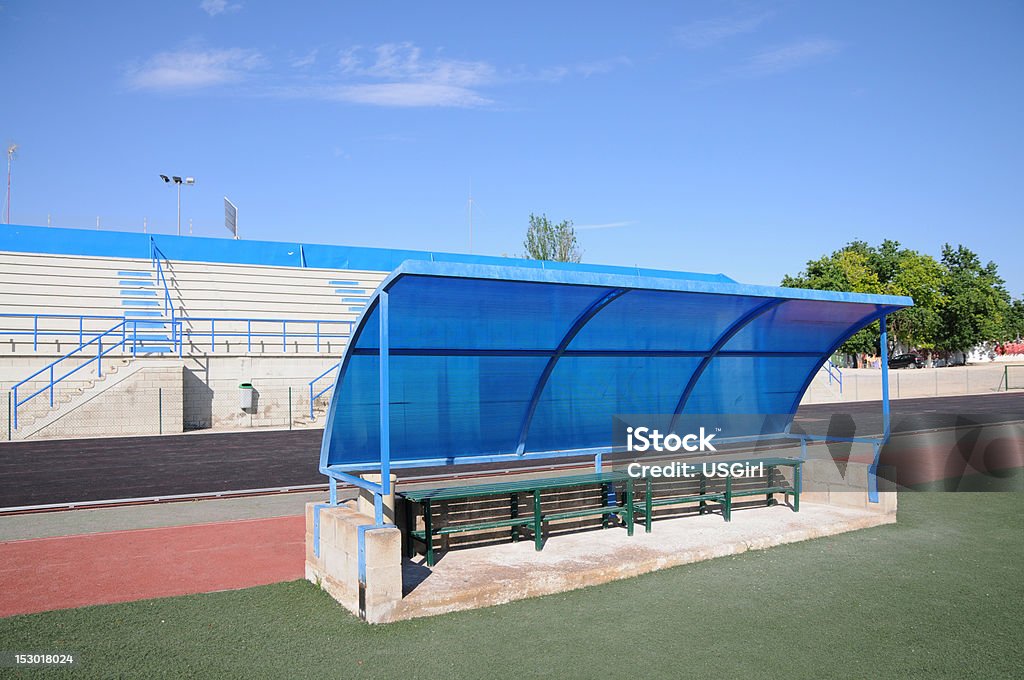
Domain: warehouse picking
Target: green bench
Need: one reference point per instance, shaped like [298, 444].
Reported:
[727, 494]
[427, 498]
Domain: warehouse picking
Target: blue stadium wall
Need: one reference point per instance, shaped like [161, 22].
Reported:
[87, 242]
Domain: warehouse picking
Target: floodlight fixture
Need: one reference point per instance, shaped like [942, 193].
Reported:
[190, 181]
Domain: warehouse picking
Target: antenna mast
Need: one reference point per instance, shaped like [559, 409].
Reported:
[11, 150]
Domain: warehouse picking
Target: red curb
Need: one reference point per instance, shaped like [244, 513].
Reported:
[76, 571]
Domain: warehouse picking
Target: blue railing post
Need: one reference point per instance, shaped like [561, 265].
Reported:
[385, 405]
[873, 468]
[35, 332]
[15, 418]
[99, 357]
[284, 336]
[311, 401]
[318, 335]
[248, 335]
[213, 336]
[51, 386]
[80, 334]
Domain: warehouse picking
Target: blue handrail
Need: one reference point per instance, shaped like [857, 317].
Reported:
[834, 373]
[319, 330]
[36, 332]
[100, 353]
[312, 396]
[284, 333]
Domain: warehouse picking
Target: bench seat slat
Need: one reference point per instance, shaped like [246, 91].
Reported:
[682, 499]
[508, 488]
[586, 512]
[762, 491]
[477, 526]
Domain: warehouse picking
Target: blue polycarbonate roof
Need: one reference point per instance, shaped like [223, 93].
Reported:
[488, 362]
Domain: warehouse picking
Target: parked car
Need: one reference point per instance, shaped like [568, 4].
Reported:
[906, 361]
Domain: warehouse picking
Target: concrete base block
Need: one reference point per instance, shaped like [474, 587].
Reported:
[336, 569]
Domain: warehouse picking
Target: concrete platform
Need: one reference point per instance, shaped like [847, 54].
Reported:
[484, 576]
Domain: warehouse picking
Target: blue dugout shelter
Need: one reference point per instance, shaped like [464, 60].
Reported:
[463, 363]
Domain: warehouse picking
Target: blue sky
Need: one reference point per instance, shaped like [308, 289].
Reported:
[744, 138]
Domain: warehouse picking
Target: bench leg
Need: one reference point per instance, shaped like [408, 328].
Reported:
[515, 513]
[538, 538]
[771, 496]
[648, 507]
[727, 510]
[409, 527]
[428, 532]
[797, 481]
[703, 490]
[629, 506]
[604, 501]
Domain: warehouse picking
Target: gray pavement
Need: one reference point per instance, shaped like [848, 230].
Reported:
[152, 516]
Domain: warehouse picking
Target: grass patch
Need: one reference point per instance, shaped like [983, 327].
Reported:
[940, 594]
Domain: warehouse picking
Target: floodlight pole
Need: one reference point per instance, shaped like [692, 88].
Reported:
[179, 207]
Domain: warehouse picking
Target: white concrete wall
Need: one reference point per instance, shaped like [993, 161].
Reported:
[205, 395]
[865, 384]
[212, 392]
[148, 400]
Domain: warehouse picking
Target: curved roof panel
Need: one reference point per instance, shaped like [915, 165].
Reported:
[487, 361]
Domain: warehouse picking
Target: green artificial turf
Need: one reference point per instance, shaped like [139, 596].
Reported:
[941, 594]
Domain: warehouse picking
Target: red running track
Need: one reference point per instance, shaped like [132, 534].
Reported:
[74, 571]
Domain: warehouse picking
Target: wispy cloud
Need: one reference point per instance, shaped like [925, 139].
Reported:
[605, 225]
[789, 57]
[390, 74]
[585, 69]
[398, 74]
[705, 33]
[194, 68]
[305, 60]
[215, 7]
[398, 94]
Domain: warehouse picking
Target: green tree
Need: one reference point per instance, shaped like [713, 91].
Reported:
[848, 269]
[976, 306]
[907, 272]
[1015, 321]
[888, 269]
[546, 240]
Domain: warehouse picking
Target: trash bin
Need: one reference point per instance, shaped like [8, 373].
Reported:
[245, 396]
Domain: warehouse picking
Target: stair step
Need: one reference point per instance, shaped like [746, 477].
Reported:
[154, 350]
[139, 293]
[148, 338]
[144, 275]
[138, 283]
[129, 312]
[140, 303]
